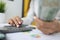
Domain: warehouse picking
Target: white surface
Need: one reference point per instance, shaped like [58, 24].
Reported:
[27, 36]
[23, 36]
[2, 17]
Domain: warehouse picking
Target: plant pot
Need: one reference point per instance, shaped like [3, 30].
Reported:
[2, 17]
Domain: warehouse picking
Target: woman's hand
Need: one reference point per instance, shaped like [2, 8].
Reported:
[47, 27]
[15, 21]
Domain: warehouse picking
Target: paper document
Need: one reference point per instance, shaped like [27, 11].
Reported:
[33, 35]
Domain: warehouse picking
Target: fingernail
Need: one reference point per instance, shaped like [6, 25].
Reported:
[34, 17]
[19, 22]
[17, 25]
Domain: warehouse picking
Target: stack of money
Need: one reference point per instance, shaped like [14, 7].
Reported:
[49, 9]
[52, 3]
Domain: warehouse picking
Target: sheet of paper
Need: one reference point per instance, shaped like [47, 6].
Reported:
[33, 35]
[21, 36]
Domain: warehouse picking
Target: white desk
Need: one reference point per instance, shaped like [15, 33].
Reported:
[31, 36]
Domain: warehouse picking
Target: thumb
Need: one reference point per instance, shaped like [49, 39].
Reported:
[37, 19]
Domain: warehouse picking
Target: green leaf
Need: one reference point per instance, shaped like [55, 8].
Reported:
[2, 6]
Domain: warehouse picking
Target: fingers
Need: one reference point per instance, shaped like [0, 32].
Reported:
[37, 20]
[10, 21]
[46, 27]
[18, 20]
[46, 31]
[43, 30]
[15, 21]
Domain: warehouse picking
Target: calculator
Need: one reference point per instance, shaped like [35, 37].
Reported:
[13, 29]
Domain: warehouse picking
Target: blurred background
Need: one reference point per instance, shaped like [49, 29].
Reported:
[13, 8]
